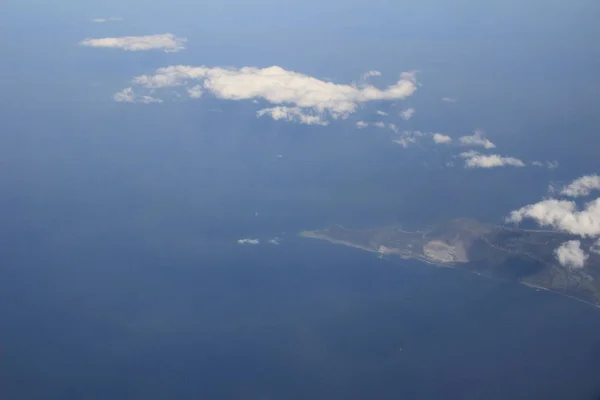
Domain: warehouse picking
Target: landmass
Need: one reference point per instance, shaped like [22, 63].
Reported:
[522, 255]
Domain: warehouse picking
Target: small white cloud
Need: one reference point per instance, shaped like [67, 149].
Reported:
[582, 186]
[127, 95]
[407, 114]
[449, 100]
[249, 241]
[103, 20]
[292, 114]
[549, 164]
[274, 241]
[383, 113]
[562, 215]
[596, 247]
[477, 140]
[570, 254]
[362, 124]
[167, 42]
[371, 73]
[408, 138]
[474, 159]
[393, 127]
[195, 92]
[438, 138]
[379, 124]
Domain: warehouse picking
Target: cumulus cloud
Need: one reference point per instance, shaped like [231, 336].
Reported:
[127, 95]
[438, 138]
[249, 241]
[562, 215]
[109, 19]
[582, 186]
[292, 114]
[195, 92]
[280, 87]
[477, 140]
[166, 41]
[362, 124]
[383, 113]
[570, 255]
[379, 124]
[274, 241]
[449, 100]
[474, 159]
[407, 114]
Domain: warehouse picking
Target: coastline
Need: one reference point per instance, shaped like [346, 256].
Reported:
[322, 236]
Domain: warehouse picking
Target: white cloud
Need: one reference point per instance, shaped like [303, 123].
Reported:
[279, 86]
[449, 100]
[383, 113]
[249, 241]
[570, 255]
[407, 114]
[195, 92]
[582, 186]
[438, 138]
[274, 241]
[167, 42]
[127, 95]
[562, 215]
[371, 73]
[548, 164]
[477, 140]
[292, 114]
[379, 124]
[103, 20]
[408, 138]
[362, 124]
[474, 159]
[596, 247]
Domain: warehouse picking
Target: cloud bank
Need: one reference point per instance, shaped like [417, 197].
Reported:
[166, 41]
[474, 159]
[293, 90]
[570, 255]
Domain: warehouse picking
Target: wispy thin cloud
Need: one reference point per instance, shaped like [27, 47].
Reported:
[474, 159]
[167, 42]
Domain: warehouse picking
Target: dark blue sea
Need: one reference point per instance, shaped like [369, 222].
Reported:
[302, 320]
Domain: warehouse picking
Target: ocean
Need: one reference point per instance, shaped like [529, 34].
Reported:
[303, 319]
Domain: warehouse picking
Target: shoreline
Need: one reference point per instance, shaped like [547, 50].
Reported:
[322, 236]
